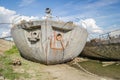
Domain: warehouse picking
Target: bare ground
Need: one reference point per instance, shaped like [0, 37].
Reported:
[37, 71]
[65, 72]
[5, 45]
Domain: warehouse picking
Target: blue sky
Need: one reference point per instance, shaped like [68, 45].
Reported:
[106, 13]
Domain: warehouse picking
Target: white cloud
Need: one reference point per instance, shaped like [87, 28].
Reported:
[26, 2]
[115, 33]
[27, 18]
[91, 26]
[6, 15]
[5, 33]
[9, 16]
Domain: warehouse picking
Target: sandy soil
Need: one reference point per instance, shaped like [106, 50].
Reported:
[55, 72]
[5, 45]
[38, 71]
[65, 72]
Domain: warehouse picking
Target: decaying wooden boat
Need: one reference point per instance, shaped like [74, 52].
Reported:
[100, 50]
[48, 41]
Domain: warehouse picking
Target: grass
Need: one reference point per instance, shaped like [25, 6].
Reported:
[6, 67]
[13, 50]
[27, 71]
[96, 67]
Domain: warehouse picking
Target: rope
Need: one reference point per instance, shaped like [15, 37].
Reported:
[83, 69]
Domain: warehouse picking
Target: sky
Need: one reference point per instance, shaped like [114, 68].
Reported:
[97, 16]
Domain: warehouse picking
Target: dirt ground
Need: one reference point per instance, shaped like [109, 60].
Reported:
[5, 45]
[65, 72]
[37, 71]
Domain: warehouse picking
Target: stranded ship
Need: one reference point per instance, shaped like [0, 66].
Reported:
[48, 41]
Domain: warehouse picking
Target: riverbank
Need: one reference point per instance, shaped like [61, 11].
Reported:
[35, 71]
[109, 69]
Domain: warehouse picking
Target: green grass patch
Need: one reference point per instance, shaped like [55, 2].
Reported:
[6, 67]
[13, 50]
[96, 67]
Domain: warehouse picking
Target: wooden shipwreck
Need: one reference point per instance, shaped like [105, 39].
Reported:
[48, 41]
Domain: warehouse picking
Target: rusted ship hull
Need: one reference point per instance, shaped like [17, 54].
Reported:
[49, 42]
